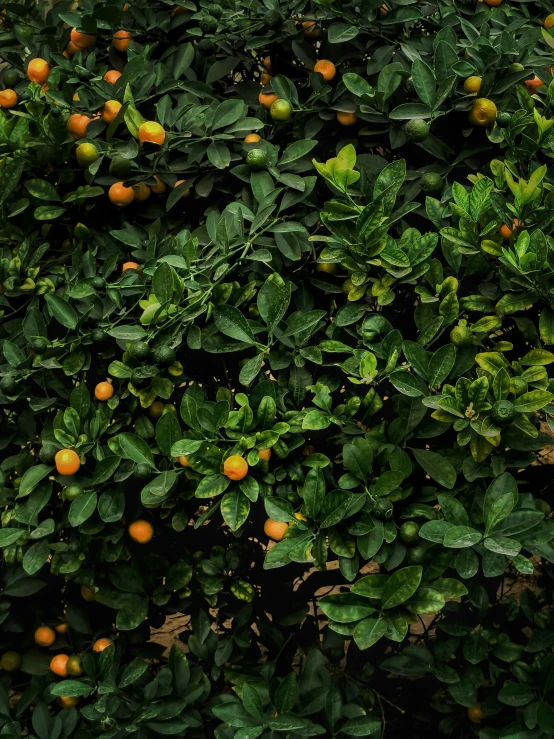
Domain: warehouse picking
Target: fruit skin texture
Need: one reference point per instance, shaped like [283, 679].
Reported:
[67, 701]
[310, 29]
[38, 70]
[506, 231]
[475, 714]
[58, 665]
[533, 84]
[382, 508]
[482, 113]
[235, 467]
[121, 195]
[267, 99]
[82, 40]
[461, 336]
[77, 125]
[101, 644]
[346, 119]
[156, 409]
[160, 187]
[87, 594]
[110, 110]
[472, 84]
[256, 159]
[130, 265]
[280, 110]
[74, 666]
[431, 182]
[45, 636]
[493, 3]
[8, 99]
[87, 154]
[10, 661]
[330, 268]
[186, 193]
[152, 132]
[111, 76]
[121, 40]
[142, 191]
[417, 130]
[103, 391]
[67, 462]
[409, 532]
[141, 531]
[326, 68]
[549, 21]
[503, 412]
[252, 138]
[265, 454]
[183, 461]
[275, 529]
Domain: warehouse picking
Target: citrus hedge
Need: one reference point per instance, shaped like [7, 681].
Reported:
[277, 294]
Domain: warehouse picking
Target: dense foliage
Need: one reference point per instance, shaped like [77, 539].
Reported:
[277, 292]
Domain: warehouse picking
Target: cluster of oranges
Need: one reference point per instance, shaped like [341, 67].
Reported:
[80, 41]
[121, 195]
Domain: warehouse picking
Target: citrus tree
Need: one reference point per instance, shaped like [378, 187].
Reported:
[277, 294]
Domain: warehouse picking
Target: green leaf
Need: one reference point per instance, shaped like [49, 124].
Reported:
[345, 607]
[273, 300]
[313, 492]
[400, 586]
[32, 477]
[436, 466]
[136, 449]
[41, 189]
[459, 537]
[36, 556]
[61, 310]
[235, 508]
[334, 507]
[532, 401]
[426, 600]
[231, 322]
[212, 485]
[370, 586]
[82, 508]
[441, 364]
[424, 81]
[368, 632]
[72, 688]
[408, 111]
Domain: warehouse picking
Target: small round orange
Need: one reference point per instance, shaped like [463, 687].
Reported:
[235, 467]
[475, 714]
[549, 21]
[534, 84]
[267, 99]
[103, 391]
[82, 40]
[58, 664]
[72, 49]
[265, 78]
[111, 76]
[67, 462]
[472, 84]
[74, 667]
[110, 110]
[326, 68]
[265, 454]
[8, 98]
[10, 661]
[121, 40]
[160, 187]
[101, 644]
[67, 701]
[87, 594]
[61, 628]
[77, 125]
[267, 64]
[141, 531]
[183, 461]
[142, 191]
[130, 265]
[121, 195]
[506, 231]
[275, 529]
[38, 70]
[346, 119]
[310, 29]
[252, 138]
[156, 409]
[45, 636]
[493, 3]
[186, 193]
[152, 132]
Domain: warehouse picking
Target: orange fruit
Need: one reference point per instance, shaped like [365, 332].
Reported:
[101, 644]
[346, 119]
[267, 64]
[493, 3]
[77, 125]
[8, 98]
[235, 467]
[156, 409]
[252, 138]
[87, 594]
[506, 231]
[183, 461]
[142, 191]
[121, 195]
[61, 628]
[67, 462]
[10, 661]
[265, 78]
[141, 531]
[300, 516]
[325, 68]
[383, 9]
[475, 714]
[67, 701]
[275, 529]
[103, 391]
[152, 132]
[482, 113]
[72, 49]
[130, 265]
[267, 99]
[186, 193]
[38, 70]
[111, 76]
[45, 636]
[82, 40]
[110, 110]
[549, 21]
[74, 666]
[533, 85]
[265, 454]
[177, 10]
[472, 84]
[160, 186]
[58, 664]
[310, 29]
[121, 40]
